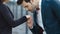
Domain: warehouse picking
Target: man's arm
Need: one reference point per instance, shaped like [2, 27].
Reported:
[36, 29]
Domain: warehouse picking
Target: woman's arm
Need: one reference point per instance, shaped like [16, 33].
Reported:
[9, 19]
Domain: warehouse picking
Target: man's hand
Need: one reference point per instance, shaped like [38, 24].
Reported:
[29, 21]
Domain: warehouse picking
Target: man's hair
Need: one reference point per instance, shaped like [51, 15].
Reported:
[20, 1]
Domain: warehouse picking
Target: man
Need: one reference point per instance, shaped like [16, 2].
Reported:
[50, 10]
[36, 29]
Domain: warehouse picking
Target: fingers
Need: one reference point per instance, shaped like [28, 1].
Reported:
[28, 16]
[30, 22]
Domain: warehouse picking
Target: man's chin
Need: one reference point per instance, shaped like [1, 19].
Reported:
[31, 11]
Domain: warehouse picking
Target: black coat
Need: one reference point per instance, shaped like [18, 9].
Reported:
[7, 21]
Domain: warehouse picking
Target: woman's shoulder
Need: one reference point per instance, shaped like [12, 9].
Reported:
[3, 6]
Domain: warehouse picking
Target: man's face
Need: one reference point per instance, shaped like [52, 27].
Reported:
[29, 6]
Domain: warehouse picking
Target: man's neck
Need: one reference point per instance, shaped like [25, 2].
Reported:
[37, 7]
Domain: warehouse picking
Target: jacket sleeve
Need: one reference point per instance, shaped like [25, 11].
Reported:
[9, 19]
[37, 30]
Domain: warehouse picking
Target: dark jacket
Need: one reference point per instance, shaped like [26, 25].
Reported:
[51, 16]
[36, 28]
[7, 21]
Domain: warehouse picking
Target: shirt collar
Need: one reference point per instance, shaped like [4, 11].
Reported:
[40, 3]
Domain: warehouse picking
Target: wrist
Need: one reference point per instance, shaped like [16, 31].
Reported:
[28, 16]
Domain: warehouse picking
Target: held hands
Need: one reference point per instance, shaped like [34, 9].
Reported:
[29, 21]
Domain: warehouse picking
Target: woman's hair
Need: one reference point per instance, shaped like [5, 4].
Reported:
[1, 1]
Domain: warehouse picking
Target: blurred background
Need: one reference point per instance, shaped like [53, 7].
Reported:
[18, 12]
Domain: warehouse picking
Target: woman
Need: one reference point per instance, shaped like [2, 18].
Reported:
[7, 19]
